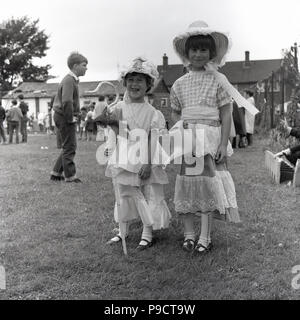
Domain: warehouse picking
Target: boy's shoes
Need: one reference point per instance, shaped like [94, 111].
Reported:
[201, 249]
[188, 245]
[76, 180]
[56, 178]
[147, 244]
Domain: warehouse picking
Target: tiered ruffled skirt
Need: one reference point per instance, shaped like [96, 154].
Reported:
[212, 189]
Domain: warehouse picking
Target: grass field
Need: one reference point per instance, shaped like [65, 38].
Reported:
[53, 235]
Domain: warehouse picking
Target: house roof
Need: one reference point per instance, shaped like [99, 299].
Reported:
[48, 90]
[172, 73]
[159, 87]
[236, 72]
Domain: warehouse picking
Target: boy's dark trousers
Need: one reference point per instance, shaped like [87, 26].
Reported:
[24, 128]
[13, 125]
[58, 138]
[2, 132]
[65, 162]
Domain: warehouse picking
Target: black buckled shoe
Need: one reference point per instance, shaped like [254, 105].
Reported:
[188, 245]
[201, 249]
[115, 239]
[141, 246]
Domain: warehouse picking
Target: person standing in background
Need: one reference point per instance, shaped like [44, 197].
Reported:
[66, 107]
[99, 108]
[2, 118]
[14, 116]
[249, 118]
[24, 108]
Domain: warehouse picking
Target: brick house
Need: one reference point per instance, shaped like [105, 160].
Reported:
[245, 74]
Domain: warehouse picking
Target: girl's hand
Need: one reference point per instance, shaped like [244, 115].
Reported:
[221, 154]
[145, 171]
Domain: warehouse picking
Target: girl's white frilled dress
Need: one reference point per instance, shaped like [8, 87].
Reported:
[137, 198]
[198, 96]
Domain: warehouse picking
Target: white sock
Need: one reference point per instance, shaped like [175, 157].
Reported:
[127, 230]
[206, 224]
[146, 234]
[189, 235]
[189, 229]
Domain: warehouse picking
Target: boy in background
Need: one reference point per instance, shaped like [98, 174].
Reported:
[66, 110]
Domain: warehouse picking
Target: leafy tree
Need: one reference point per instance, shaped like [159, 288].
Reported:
[20, 42]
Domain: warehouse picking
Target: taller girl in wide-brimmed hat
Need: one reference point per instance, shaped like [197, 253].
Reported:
[203, 99]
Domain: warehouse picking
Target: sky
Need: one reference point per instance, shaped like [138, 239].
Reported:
[110, 33]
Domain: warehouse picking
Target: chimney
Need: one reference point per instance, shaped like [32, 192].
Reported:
[165, 62]
[247, 59]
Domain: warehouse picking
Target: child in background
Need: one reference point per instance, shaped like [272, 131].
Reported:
[138, 186]
[82, 116]
[203, 105]
[66, 110]
[89, 127]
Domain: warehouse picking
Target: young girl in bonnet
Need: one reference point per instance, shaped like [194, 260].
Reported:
[203, 98]
[138, 186]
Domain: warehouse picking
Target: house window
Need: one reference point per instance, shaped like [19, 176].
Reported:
[163, 102]
[276, 86]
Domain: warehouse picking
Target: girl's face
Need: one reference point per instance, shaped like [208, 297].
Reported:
[198, 57]
[136, 86]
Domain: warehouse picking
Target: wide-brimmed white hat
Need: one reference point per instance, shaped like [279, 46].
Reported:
[141, 65]
[222, 41]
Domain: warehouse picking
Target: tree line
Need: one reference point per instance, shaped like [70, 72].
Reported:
[20, 42]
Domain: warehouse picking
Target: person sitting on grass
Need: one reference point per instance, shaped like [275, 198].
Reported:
[292, 153]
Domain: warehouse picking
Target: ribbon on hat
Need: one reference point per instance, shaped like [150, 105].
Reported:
[230, 89]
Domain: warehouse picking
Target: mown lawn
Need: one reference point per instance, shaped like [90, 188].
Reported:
[53, 235]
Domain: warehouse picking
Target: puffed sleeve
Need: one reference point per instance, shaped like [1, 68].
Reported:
[175, 103]
[158, 121]
[223, 97]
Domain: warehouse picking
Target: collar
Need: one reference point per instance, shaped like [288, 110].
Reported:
[71, 73]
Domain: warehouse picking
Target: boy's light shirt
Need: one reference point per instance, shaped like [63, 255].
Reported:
[71, 73]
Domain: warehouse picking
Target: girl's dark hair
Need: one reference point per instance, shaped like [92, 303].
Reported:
[200, 42]
[148, 79]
